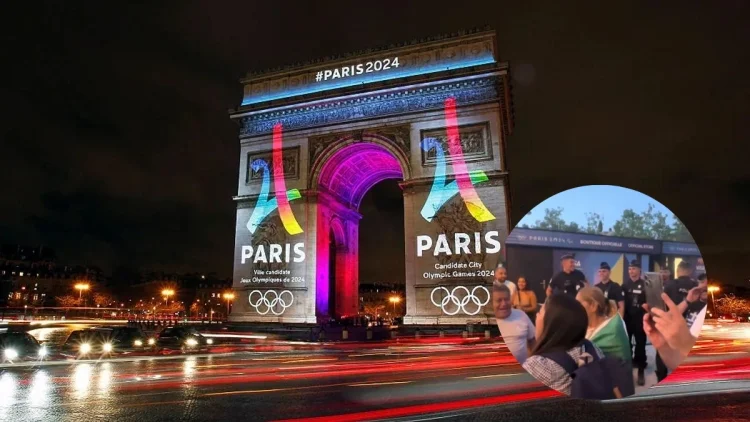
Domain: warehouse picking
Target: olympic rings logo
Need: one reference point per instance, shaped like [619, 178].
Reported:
[270, 301]
[460, 303]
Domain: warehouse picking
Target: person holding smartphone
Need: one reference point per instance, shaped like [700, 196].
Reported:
[669, 332]
[677, 290]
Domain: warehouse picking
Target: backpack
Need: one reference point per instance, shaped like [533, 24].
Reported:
[600, 378]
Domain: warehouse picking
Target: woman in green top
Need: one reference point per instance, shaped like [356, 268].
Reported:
[606, 329]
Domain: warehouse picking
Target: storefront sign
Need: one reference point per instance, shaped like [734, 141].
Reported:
[675, 248]
[530, 237]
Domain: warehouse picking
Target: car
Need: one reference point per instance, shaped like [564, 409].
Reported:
[127, 339]
[21, 346]
[108, 340]
[187, 339]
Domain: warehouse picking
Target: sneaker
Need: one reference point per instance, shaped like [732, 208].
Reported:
[641, 377]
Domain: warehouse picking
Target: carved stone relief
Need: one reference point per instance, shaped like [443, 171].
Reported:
[455, 218]
[289, 158]
[397, 135]
[410, 100]
[270, 232]
[475, 143]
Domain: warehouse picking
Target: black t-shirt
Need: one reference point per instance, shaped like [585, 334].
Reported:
[678, 289]
[635, 296]
[612, 291]
[692, 311]
[566, 283]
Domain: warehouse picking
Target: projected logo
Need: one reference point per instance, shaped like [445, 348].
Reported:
[453, 301]
[464, 180]
[282, 198]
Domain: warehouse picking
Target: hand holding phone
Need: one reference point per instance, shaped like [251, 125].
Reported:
[654, 288]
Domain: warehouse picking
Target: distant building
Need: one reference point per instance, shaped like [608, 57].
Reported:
[27, 254]
[30, 276]
[375, 296]
[205, 292]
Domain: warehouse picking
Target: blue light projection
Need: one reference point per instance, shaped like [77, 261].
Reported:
[401, 72]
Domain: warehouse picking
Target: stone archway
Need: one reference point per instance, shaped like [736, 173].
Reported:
[341, 176]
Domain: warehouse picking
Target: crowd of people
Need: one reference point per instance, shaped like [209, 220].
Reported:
[589, 340]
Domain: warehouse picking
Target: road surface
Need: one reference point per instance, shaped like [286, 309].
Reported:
[439, 378]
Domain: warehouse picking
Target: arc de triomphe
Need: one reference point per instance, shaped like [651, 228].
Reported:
[315, 138]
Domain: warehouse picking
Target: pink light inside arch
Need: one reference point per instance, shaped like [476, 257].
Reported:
[348, 175]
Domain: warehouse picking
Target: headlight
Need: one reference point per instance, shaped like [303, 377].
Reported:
[191, 342]
[151, 342]
[107, 347]
[85, 348]
[209, 341]
[138, 343]
[42, 352]
[11, 354]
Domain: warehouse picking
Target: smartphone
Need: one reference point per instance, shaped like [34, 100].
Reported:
[654, 288]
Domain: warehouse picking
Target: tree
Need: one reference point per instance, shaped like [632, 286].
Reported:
[631, 224]
[67, 301]
[552, 220]
[171, 308]
[103, 300]
[374, 308]
[197, 308]
[649, 224]
[593, 223]
[660, 228]
[680, 233]
[729, 304]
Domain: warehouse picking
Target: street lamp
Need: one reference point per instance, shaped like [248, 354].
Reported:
[229, 297]
[81, 287]
[712, 289]
[394, 300]
[167, 293]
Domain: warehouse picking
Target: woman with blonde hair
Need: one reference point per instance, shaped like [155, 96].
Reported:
[606, 329]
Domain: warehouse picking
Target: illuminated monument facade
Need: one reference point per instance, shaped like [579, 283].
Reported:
[315, 138]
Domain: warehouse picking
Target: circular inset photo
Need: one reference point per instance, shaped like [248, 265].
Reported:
[602, 294]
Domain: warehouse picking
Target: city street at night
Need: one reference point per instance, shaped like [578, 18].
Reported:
[381, 211]
[443, 377]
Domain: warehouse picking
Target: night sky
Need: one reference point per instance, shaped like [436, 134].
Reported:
[117, 148]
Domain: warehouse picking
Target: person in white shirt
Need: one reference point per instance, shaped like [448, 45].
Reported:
[516, 328]
[501, 276]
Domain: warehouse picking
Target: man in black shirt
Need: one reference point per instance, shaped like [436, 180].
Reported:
[635, 298]
[695, 301]
[677, 290]
[568, 281]
[611, 290]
